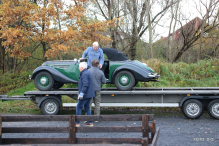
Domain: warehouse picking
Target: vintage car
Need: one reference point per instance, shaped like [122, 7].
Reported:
[118, 70]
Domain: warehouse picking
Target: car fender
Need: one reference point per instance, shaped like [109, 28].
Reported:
[49, 97]
[138, 73]
[56, 74]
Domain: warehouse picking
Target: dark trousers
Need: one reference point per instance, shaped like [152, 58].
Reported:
[86, 104]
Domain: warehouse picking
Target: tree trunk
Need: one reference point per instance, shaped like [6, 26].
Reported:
[15, 65]
[202, 29]
[113, 39]
[134, 32]
[112, 34]
[57, 8]
[2, 57]
[170, 38]
[44, 52]
[149, 27]
[173, 33]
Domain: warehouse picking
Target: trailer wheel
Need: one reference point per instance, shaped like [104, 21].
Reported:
[192, 109]
[50, 107]
[124, 80]
[44, 81]
[213, 109]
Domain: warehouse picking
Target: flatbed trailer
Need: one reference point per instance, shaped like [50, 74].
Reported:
[192, 101]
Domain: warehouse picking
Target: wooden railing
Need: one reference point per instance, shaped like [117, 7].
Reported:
[149, 134]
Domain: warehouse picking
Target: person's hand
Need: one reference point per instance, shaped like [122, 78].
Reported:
[80, 96]
[100, 66]
[81, 58]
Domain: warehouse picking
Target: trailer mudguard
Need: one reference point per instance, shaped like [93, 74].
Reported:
[49, 97]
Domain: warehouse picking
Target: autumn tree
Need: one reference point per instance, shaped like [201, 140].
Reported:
[26, 22]
[15, 29]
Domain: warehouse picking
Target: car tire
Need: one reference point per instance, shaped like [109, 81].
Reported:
[192, 109]
[44, 81]
[213, 109]
[57, 85]
[124, 80]
[50, 107]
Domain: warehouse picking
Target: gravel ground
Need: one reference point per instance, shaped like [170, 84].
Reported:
[175, 130]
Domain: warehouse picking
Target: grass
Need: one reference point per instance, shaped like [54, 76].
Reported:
[201, 74]
[9, 81]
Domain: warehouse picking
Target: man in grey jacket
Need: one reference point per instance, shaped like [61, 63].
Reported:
[98, 78]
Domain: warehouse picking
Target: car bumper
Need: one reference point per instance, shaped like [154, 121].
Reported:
[152, 77]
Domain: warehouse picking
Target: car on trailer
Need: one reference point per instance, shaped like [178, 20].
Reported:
[118, 70]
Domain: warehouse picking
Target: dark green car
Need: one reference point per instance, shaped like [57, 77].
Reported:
[118, 70]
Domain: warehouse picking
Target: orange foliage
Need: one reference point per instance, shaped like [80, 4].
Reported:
[22, 22]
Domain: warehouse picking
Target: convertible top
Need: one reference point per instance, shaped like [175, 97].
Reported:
[114, 55]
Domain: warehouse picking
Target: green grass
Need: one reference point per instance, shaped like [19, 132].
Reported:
[9, 81]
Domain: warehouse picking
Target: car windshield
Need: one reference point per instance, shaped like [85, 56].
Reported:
[114, 55]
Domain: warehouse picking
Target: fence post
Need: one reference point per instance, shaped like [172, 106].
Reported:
[144, 141]
[72, 134]
[0, 129]
[145, 132]
[153, 130]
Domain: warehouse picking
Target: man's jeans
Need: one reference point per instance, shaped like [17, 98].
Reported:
[86, 104]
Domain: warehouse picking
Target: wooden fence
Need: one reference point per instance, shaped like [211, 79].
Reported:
[149, 134]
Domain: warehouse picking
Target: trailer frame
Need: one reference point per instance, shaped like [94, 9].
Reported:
[192, 100]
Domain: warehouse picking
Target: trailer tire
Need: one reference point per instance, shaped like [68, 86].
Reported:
[192, 109]
[213, 109]
[50, 107]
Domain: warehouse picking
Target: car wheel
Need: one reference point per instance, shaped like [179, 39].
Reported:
[124, 80]
[192, 109]
[44, 81]
[213, 109]
[57, 85]
[50, 107]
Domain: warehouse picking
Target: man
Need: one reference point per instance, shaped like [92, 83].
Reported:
[98, 78]
[85, 91]
[94, 53]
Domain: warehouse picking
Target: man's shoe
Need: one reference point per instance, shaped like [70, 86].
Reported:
[77, 125]
[85, 121]
[89, 124]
